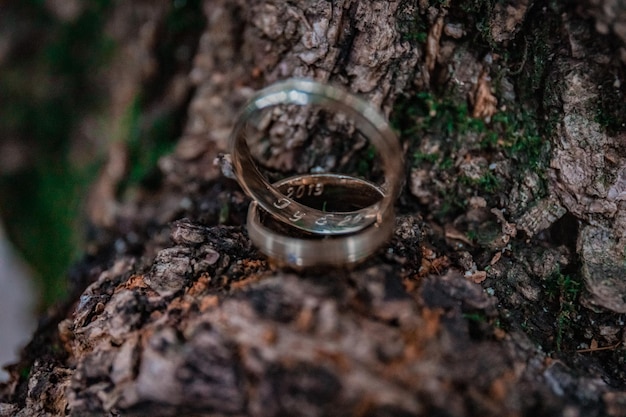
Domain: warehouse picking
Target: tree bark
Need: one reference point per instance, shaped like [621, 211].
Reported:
[510, 303]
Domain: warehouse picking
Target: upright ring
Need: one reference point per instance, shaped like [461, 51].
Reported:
[304, 249]
[283, 207]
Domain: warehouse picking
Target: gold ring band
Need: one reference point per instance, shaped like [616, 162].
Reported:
[310, 249]
[285, 208]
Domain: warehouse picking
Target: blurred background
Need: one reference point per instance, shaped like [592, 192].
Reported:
[87, 108]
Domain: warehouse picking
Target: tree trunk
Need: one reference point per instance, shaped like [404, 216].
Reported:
[501, 293]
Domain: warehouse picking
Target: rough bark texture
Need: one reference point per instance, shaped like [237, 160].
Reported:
[475, 311]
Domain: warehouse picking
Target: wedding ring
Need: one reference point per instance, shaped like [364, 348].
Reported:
[283, 206]
[296, 248]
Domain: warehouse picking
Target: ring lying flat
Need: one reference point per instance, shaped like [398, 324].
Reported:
[300, 249]
[285, 208]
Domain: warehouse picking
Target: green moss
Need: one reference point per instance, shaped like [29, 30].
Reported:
[149, 137]
[451, 203]
[489, 183]
[472, 235]
[224, 212]
[479, 317]
[515, 133]
[488, 232]
[421, 157]
[147, 140]
[49, 85]
[447, 163]
[521, 138]
[482, 11]
[424, 112]
[79, 46]
[24, 372]
[564, 291]
[412, 26]
[365, 164]
[145, 144]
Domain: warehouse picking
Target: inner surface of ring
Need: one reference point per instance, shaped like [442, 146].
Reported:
[333, 194]
[329, 193]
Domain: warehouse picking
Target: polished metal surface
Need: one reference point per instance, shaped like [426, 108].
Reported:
[295, 248]
[283, 206]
